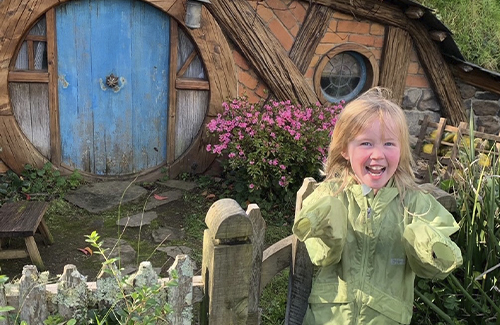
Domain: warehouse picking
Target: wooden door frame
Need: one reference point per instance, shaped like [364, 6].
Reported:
[21, 15]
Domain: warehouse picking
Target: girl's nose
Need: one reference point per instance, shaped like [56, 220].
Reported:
[376, 153]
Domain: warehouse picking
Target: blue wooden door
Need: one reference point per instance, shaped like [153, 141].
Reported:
[113, 70]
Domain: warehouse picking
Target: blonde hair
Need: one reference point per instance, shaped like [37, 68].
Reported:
[353, 119]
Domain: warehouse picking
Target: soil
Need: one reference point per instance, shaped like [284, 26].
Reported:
[70, 224]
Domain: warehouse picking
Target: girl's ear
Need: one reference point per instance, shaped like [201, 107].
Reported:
[345, 155]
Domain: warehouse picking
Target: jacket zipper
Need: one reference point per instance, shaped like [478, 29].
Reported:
[366, 245]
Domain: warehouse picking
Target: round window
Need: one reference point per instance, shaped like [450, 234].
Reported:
[345, 72]
[343, 77]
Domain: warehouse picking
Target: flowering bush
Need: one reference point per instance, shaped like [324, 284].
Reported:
[271, 147]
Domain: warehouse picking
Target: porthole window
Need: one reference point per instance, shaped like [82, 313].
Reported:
[344, 73]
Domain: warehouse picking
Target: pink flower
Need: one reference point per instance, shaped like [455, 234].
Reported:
[251, 186]
[282, 166]
[209, 147]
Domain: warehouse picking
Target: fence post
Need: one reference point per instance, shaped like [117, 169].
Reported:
[301, 272]
[227, 264]
[180, 297]
[32, 297]
[108, 287]
[259, 231]
[72, 296]
[3, 303]
[145, 276]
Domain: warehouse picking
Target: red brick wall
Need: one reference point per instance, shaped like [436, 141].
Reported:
[416, 77]
[284, 18]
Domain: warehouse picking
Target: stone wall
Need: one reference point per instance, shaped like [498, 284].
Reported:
[419, 102]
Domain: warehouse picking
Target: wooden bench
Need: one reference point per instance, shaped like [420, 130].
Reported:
[22, 220]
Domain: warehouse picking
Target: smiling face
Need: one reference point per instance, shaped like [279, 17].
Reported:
[374, 153]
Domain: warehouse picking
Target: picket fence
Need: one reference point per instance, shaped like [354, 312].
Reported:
[235, 270]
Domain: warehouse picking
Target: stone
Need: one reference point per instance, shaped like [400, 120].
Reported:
[411, 98]
[102, 196]
[487, 95]
[179, 184]
[466, 91]
[138, 220]
[491, 124]
[167, 234]
[414, 116]
[119, 248]
[173, 251]
[168, 196]
[428, 102]
[486, 107]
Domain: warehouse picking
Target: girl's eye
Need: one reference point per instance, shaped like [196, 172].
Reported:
[390, 144]
[365, 144]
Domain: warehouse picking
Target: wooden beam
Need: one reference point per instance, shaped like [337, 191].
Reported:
[55, 134]
[414, 12]
[395, 61]
[19, 76]
[263, 51]
[438, 35]
[439, 74]
[476, 77]
[192, 84]
[309, 36]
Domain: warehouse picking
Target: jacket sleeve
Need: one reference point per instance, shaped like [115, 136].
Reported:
[430, 251]
[322, 226]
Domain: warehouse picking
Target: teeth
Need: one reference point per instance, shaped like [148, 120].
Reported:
[375, 170]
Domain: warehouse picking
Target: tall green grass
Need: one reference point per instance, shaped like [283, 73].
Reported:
[471, 294]
[476, 28]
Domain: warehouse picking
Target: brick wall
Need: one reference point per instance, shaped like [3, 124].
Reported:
[284, 18]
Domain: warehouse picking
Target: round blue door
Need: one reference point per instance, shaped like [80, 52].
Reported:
[113, 71]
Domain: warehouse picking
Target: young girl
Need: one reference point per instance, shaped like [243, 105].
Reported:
[367, 226]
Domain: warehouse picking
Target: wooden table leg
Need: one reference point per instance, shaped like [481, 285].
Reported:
[44, 230]
[34, 253]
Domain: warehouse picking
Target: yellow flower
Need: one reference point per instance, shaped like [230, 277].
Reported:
[483, 160]
[427, 148]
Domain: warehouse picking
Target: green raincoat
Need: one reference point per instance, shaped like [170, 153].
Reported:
[369, 248]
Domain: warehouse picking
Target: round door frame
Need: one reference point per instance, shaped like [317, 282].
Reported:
[16, 150]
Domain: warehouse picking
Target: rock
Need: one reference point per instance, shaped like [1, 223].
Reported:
[414, 116]
[485, 107]
[138, 220]
[173, 251]
[167, 234]
[102, 196]
[119, 248]
[168, 196]
[411, 98]
[487, 95]
[466, 91]
[180, 185]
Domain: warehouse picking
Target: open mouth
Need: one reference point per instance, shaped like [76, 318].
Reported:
[375, 170]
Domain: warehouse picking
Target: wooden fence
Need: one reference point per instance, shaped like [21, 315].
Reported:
[235, 270]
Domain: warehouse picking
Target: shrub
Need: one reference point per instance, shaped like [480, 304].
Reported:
[271, 147]
[46, 183]
[470, 295]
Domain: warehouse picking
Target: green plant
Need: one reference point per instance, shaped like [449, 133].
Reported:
[46, 182]
[476, 28]
[271, 147]
[4, 309]
[470, 295]
[137, 305]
